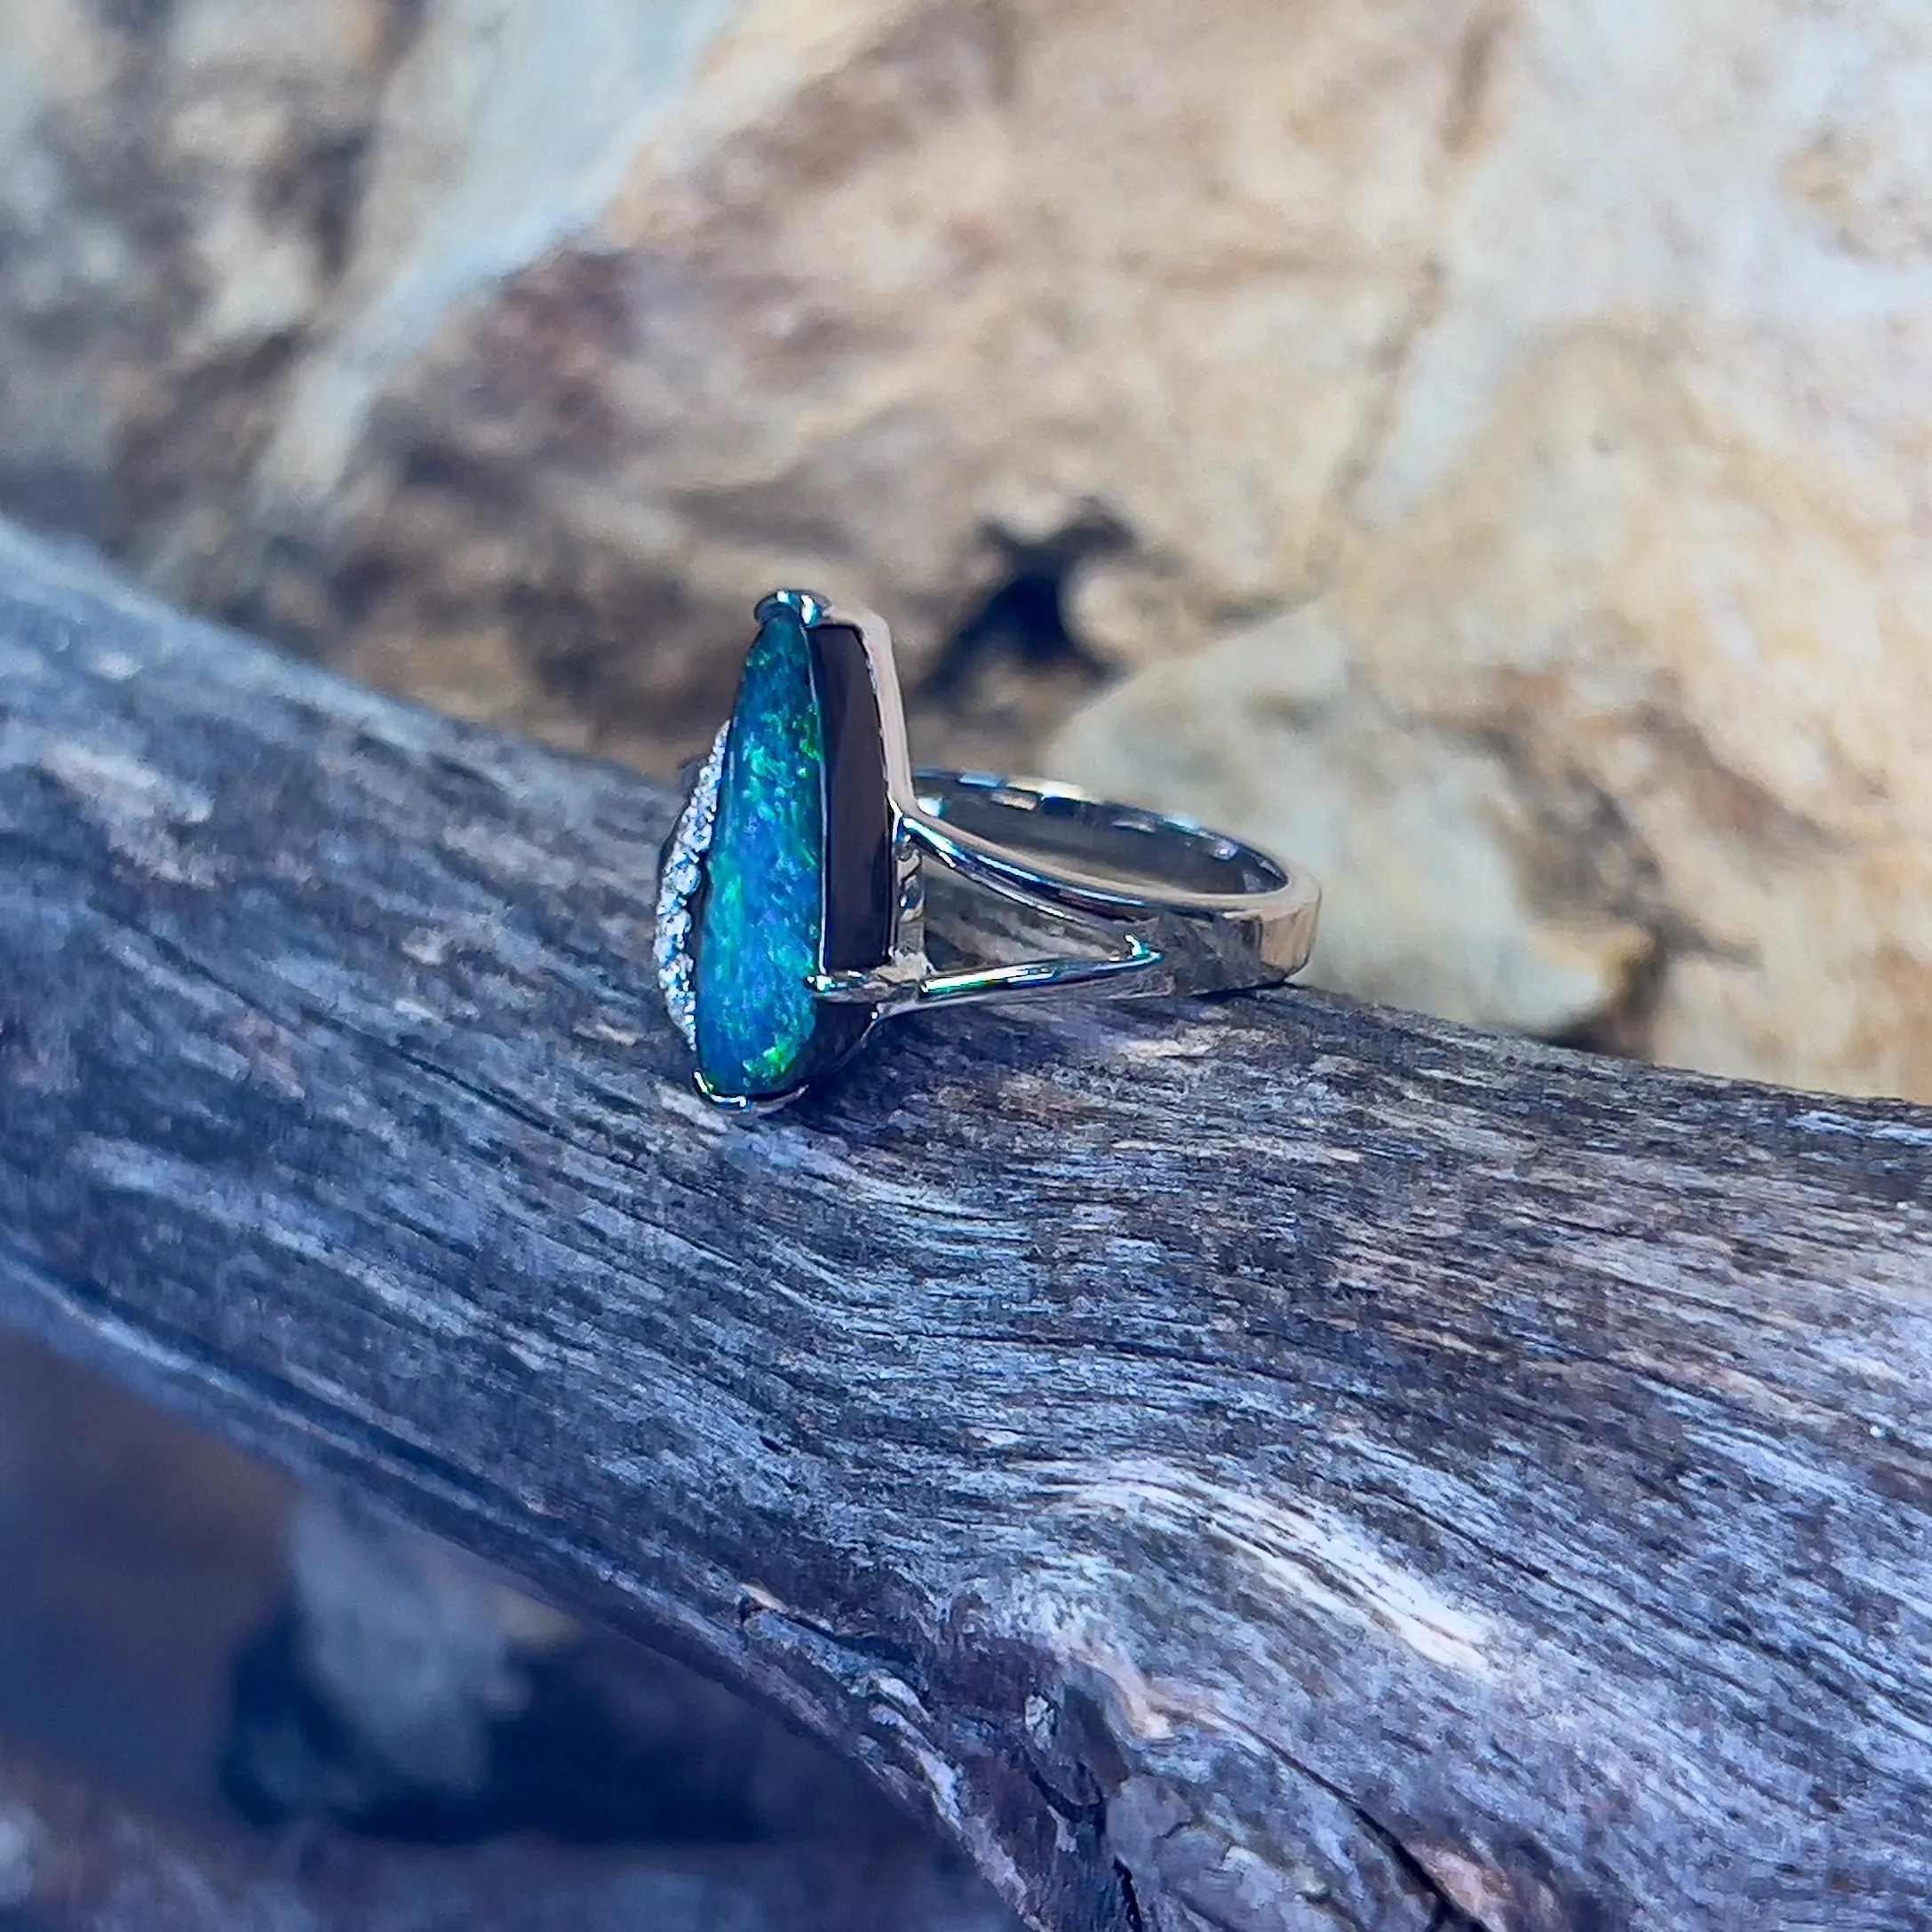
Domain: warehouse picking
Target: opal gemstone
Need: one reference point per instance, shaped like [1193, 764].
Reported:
[762, 914]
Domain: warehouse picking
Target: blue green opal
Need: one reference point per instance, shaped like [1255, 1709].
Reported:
[763, 913]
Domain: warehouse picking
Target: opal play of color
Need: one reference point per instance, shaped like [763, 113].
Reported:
[763, 907]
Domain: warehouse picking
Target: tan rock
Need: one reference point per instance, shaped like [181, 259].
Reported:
[881, 278]
[1512, 419]
[1638, 535]
[175, 182]
[1440, 876]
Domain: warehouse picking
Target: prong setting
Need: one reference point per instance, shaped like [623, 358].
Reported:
[744, 1106]
[806, 606]
[899, 979]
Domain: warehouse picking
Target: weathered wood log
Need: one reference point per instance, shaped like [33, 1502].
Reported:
[1254, 1463]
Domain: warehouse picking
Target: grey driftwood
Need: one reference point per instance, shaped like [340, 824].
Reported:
[1252, 1464]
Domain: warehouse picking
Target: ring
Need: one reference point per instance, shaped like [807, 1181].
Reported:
[792, 892]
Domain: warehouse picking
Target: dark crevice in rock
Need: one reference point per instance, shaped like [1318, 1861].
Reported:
[1589, 861]
[1625, 1026]
[1024, 617]
[212, 422]
[318, 187]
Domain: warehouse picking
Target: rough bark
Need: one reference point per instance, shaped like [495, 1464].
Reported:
[1249, 1464]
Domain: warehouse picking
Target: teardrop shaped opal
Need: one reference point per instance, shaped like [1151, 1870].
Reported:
[760, 926]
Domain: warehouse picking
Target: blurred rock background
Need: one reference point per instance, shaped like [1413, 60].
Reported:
[1478, 445]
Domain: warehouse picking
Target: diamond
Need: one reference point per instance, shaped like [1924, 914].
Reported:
[679, 882]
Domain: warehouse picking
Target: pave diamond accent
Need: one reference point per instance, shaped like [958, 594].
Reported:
[677, 888]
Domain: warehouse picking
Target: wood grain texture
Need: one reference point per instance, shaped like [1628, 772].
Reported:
[1248, 1464]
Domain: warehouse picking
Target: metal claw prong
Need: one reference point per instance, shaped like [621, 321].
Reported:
[871, 986]
[808, 607]
[745, 1105]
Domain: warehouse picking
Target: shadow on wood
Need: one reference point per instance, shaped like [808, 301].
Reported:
[1252, 1464]
[79, 1858]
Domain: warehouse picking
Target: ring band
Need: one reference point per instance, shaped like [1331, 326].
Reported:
[792, 903]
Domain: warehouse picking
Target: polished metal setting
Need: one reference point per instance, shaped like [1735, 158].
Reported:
[1149, 904]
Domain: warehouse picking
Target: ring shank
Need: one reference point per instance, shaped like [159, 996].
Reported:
[1188, 909]
[1124, 843]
